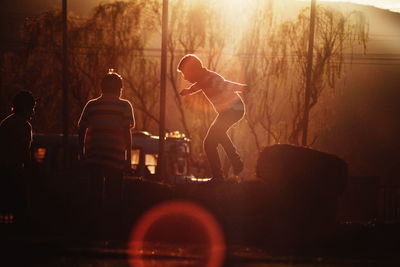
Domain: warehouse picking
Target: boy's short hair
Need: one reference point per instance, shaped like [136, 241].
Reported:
[190, 62]
[23, 101]
[111, 83]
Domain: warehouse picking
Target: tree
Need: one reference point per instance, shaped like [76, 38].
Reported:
[115, 36]
[273, 55]
[336, 34]
[264, 63]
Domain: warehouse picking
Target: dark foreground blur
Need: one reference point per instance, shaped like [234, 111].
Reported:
[302, 210]
[62, 232]
[370, 249]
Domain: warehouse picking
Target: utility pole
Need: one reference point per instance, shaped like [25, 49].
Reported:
[163, 87]
[65, 80]
[2, 102]
[309, 72]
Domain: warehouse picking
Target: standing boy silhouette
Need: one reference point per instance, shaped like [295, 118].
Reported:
[224, 97]
[105, 143]
[15, 145]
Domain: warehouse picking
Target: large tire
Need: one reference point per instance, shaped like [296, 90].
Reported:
[306, 185]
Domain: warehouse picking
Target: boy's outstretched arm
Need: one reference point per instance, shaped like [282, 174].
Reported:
[190, 90]
[236, 87]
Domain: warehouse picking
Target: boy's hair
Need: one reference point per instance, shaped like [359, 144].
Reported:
[190, 62]
[23, 101]
[111, 83]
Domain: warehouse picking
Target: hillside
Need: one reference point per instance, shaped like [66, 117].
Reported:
[366, 126]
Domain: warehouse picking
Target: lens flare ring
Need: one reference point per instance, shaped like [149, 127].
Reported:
[182, 208]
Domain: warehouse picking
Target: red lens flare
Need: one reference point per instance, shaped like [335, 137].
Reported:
[182, 222]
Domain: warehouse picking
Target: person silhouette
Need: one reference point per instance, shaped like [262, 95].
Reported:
[105, 144]
[224, 97]
[15, 144]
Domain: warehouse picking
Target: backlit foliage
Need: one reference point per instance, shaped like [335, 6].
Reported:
[266, 53]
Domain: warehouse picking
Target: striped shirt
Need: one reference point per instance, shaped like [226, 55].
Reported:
[107, 119]
[220, 92]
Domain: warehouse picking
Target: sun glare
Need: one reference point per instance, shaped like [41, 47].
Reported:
[237, 12]
[235, 4]
[393, 5]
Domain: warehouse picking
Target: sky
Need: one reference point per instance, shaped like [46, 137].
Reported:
[84, 7]
[393, 5]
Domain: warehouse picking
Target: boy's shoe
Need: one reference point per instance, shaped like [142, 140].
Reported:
[238, 166]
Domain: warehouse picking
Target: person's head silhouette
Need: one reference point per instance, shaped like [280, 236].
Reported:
[191, 68]
[23, 104]
[112, 83]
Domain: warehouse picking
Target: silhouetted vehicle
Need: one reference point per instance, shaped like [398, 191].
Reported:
[47, 156]
[145, 154]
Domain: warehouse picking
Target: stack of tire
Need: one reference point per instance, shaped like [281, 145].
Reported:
[303, 187]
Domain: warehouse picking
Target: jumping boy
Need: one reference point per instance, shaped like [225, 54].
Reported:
[224, 97]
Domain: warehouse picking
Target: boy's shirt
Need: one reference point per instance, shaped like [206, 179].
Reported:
[15, 141]
[107, 119]
[220, 92]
